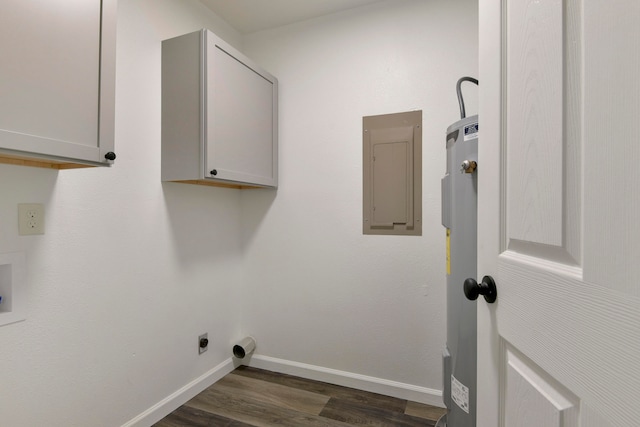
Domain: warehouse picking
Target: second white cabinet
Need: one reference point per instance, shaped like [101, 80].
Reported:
[57, 82]
[219, 115]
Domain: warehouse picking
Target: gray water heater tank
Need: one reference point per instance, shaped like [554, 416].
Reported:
[459, 217]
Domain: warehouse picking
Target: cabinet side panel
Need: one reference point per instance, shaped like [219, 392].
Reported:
[181, 108]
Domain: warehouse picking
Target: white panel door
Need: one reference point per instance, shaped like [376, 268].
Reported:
[559, 219]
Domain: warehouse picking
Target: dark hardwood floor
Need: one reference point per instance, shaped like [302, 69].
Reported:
[255, 397]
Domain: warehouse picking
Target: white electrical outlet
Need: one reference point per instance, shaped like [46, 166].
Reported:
[30, 218]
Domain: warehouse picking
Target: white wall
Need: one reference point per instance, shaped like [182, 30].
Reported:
[316, 290]
[130, 271]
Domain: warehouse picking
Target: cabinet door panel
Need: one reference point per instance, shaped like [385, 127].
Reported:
[50, 79]
[240, 144]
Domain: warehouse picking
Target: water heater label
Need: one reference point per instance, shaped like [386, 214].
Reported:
[460, 394]
[471, 131]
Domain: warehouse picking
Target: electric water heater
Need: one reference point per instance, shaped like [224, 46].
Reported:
[459, 217]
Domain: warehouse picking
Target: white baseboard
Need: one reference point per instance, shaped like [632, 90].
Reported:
[348, 379]
[303, 370]
[175, 400]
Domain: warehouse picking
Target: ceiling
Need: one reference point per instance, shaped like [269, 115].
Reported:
[248, 16]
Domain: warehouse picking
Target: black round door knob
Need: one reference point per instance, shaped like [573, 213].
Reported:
[487, 289]
[110, 155]
[214, 172]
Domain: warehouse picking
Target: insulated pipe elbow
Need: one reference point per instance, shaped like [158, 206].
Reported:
[463, 114]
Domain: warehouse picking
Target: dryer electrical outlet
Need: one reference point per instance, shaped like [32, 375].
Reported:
[30, 218]
[203, 343]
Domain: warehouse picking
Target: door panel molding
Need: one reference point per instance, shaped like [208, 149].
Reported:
[543, 147]
[548, 403]
[579, 332]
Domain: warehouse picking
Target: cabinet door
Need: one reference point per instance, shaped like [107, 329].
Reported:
[241, 144]
[50, 79]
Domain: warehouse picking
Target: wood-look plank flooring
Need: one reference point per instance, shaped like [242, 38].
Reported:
[255, 397]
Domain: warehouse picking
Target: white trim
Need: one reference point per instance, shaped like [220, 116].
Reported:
[175, 400]
[348, 379]
[318, 373]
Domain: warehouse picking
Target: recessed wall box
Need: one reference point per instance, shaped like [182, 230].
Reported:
[12, 291]
[392, 174]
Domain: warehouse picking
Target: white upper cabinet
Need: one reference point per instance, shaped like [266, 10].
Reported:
[219, 115]
[57, 82]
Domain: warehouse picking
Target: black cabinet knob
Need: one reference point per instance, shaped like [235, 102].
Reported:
[214, 172]
[110, 155]
[487, 289]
